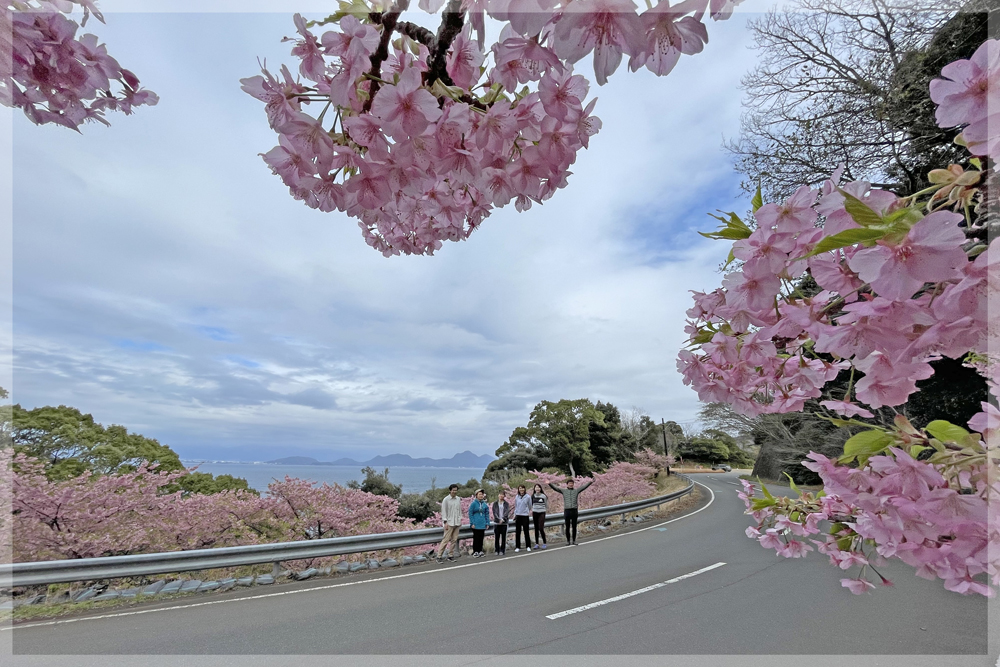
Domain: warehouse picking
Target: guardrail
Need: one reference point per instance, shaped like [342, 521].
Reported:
[114, 567]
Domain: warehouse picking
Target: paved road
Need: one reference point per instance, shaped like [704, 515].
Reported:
[754, 603]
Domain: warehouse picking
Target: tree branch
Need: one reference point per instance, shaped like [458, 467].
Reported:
[452, 20]
[388, 21]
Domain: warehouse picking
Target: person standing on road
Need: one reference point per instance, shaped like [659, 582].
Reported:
[522, 512]
[479, 519]
[539, 505]
[570, 507]
[451, 519]
[501, 519]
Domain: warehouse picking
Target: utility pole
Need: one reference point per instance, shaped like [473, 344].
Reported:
[663, 429]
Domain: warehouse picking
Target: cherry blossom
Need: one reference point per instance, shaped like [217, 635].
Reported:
[55, 75]
[968, 93]
[900, 286]
[428, 136]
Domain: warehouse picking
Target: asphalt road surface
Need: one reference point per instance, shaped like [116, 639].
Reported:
[695, 585]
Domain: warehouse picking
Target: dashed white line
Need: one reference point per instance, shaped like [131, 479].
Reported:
[623, 596]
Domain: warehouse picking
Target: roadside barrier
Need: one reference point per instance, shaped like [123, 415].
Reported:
[115, 567]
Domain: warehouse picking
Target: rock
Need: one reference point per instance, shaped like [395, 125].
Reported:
[343, 567]
[7, 605]
[305, 574]
[190, 586]
[264, 580]
[84, 595]
[326, 571]
[131, 593]
[208, 586]
[107, 595]
[154, 587]
[37, 599]
[408, 560]
[602, 528]
[390, 562]
[358, 566]
[60, 597]
[226, 584]
[244, 581]
[172, 587]
[373, 564]
[419, 559]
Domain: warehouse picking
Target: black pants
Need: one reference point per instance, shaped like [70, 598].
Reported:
[521, 523]
[569, 516]
[500, 538]
[477, 539]
[539, 518]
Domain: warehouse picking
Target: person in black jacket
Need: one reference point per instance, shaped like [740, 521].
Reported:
[501, 519]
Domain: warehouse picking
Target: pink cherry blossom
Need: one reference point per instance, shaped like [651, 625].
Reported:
[406, 109]
[857, 586]
[464, 60]
[57, 76]
[668, 35]
[930, 252]
[847, 408]
[609, 28]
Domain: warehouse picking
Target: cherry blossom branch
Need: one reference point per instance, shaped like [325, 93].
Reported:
[452, 21]
[388, 21]
[416, 32]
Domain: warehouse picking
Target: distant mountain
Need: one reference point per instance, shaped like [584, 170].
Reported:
[296, 461]
[464, 460]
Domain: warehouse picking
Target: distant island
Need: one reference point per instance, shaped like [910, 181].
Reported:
[464, 460]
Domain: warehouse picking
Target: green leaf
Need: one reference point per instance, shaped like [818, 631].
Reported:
[732, 258]
[946, 431]
[761, 503]
[767, 494]
[848, 237]
[791, 483]
[865, 444]
[859, 211]
[977, 163]
[758, 200]
[728, 233]
[703, 336]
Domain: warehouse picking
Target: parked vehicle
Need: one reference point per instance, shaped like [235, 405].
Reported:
[722, 466]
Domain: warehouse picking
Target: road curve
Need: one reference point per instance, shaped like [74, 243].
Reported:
[691, 586]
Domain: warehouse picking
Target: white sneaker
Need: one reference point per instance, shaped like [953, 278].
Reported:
[516, 550]
[529, 548]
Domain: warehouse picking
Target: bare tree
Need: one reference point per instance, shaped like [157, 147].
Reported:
[824, 92]
[632, 422]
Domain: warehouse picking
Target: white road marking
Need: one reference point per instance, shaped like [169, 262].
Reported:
[5, 626]
[601, 603]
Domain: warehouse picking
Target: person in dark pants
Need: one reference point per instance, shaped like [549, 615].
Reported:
[501, 520]
[479, 519]
[539, 506]
[570, 506]
[522, 515]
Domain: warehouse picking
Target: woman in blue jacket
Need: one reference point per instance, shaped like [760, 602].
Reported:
[479, 519]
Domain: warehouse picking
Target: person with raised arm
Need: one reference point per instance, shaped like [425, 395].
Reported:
[570, 506]
[479, 520]
[522, 514]
[451, 519]
[539, 505]
[501, 520]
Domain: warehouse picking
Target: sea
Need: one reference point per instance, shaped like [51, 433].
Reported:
[412, 479]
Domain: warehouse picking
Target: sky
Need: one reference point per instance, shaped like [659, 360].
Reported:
[163, 278]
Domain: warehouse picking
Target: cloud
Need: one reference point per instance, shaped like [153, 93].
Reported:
[174, 287]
